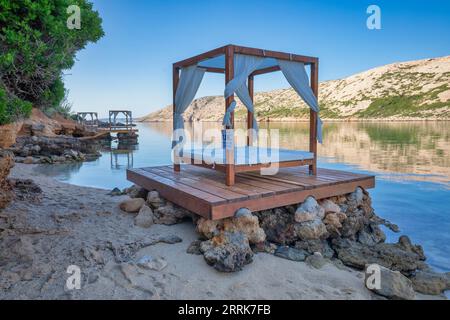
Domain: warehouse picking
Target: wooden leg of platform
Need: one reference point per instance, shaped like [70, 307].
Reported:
[230, 175]
[176, 168]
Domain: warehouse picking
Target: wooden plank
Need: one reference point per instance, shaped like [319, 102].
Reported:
[275, 54]
[236, 188]
[198, 58]
[198, 183]
[240, 182]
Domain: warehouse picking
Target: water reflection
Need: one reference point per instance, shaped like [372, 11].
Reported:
[402, 150]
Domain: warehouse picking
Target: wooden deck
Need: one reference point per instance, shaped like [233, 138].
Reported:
[203, 191]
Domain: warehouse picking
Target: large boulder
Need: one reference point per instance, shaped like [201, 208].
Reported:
[330, 206]
[290, 253]
[132, 205]
[428, 282]
[393, 285]
[311, 230]
[227, 252]
[144, 219]
[245, 223]
[278, 225]
[135, 191]
[154, 199]
[169, 214]
[309, 210]
[401, 256]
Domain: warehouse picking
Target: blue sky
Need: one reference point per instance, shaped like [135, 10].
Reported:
[130, 67]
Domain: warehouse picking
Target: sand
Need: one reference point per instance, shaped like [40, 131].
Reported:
[74, 225]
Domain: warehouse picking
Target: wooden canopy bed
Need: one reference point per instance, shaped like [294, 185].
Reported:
[232, 160]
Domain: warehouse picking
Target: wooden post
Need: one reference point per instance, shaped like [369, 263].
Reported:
[249, 114]
[175, 79]
[229, 154]
[313, 117]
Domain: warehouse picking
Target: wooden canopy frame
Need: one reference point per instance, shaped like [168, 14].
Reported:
[81, 118]
[229, 51]
[113, 120]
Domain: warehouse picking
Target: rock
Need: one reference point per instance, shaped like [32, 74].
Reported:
[333, 224]
[93, 255]
[371, 235]
[242, 212]
[115, 192]
[312, 246]
[393, 285]
[352, 225]
[124, 252]
[6, 163]
[135, 192]
[169, 214]
[405, 243]
[394, 256]
[194, 247]
[311, 230]
[144, 219]
[290, 253]
[132, 205]
[248, 224]
[316, 260]
[330, 206]
[265, 246]
[151, 263]
[432, 283]
[357, 196]
[26, 190]
[309, 210]
[28, 160]
[278, 225]
[227, 252]
[154, 200]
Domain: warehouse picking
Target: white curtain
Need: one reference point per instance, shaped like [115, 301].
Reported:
[190, 79]
[295, 74]
[243, 66]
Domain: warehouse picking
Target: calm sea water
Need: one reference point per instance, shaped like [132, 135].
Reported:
[411, 162]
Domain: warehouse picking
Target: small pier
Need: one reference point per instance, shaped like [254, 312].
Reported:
[126, 127]
[88, 119]
[202, 191]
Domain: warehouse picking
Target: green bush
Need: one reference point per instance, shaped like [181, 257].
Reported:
[36, 46]
[12, 108]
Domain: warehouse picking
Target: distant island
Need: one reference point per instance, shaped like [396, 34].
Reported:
[415, 90]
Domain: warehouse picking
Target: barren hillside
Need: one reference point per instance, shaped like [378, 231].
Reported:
[403, 91]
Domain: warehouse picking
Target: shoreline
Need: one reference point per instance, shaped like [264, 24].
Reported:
[307, 120]
[76, 225]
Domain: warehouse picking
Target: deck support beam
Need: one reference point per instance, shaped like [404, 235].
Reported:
[229, 152]
[175, 80]
[313, 118]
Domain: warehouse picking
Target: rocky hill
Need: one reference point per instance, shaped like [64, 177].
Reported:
[399, 91]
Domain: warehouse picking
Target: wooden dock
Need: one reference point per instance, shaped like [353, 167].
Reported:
[202, 190]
